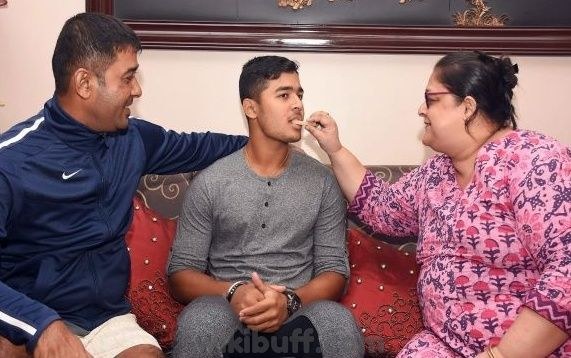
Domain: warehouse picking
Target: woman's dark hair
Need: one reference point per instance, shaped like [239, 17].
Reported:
[92, 41]
[489, 80]
[258, 71]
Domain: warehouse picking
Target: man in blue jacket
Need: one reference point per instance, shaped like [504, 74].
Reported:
[67, 179]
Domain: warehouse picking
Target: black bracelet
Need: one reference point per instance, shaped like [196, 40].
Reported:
[232, 289]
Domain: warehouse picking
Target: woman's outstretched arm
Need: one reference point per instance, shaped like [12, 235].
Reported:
[347, 168]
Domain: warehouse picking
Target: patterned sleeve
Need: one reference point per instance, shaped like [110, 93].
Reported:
[542, 207]
[389, 209]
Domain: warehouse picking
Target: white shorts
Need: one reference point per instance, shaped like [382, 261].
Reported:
[116, 335]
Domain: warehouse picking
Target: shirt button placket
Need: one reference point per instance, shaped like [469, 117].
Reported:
[266, 204]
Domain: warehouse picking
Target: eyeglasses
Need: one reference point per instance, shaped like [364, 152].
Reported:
[427, 94]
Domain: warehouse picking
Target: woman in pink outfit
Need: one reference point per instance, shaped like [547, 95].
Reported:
[492, 213]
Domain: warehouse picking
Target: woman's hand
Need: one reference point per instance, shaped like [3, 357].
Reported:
[531, 335]
[324, 129]
[347, 168]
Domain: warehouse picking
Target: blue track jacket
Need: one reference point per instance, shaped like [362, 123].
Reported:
[65, 205]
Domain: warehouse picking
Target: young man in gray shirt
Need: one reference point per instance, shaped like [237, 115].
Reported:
[259, 255]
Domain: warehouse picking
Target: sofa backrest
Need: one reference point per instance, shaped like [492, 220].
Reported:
[165, 194]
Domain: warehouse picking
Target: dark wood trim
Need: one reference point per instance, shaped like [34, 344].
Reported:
[216, 36]
[360, 39]
[104, 6]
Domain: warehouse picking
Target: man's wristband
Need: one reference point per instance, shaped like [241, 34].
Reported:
[232, 289]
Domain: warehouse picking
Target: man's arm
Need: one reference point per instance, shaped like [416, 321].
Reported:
[189, 256]
[169, 152]
[22, 320]
[330, 263]
[326, 286]
[187, 285]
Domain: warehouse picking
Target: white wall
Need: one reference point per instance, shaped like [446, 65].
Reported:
[373, 97]
[28, 32]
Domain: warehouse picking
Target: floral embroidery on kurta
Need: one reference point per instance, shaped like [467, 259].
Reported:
[502, 242]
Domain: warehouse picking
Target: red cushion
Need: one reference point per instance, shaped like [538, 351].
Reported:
[149, 240]
[382, 293]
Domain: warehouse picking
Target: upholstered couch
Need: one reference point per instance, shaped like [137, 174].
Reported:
[382, 287]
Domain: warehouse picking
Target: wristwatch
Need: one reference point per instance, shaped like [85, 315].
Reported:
[293, 301]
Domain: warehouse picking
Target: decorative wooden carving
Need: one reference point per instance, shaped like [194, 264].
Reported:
[479, 15]
[190, 35]
[294, 4]
[300, 4]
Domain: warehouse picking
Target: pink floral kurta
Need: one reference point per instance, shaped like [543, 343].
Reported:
[502, 242]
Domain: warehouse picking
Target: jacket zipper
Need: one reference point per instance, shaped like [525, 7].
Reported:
[100, 193]
[92, 270]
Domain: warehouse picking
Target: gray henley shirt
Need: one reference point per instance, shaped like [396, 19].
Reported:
[288, 229]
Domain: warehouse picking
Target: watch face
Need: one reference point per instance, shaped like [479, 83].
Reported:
[293, 302]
